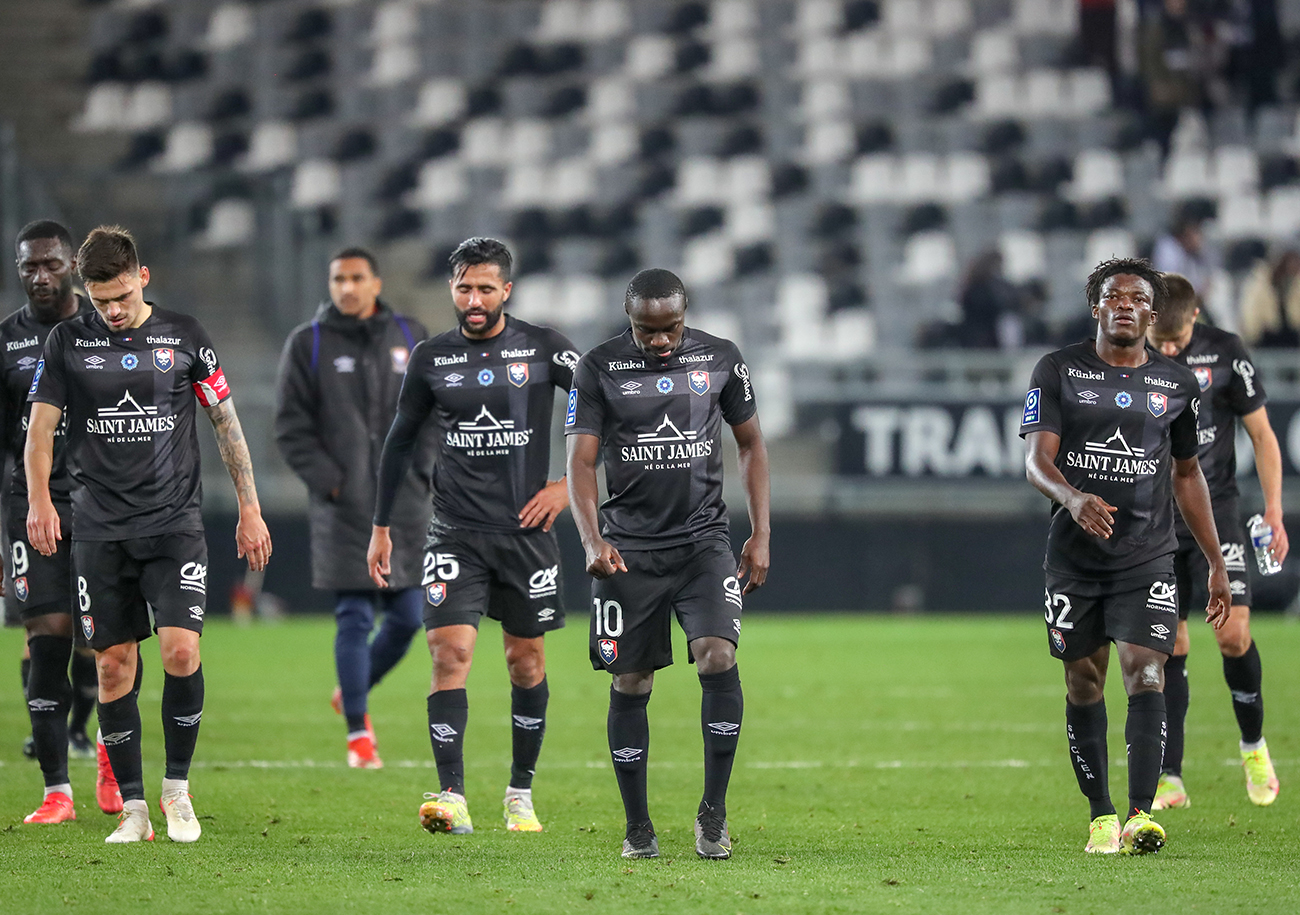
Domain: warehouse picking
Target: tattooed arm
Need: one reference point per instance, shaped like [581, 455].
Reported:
[251, 536]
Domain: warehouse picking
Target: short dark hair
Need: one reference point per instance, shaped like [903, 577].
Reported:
[479, 250]
[1136, 266]
[654, 283]
[362, 253]
[1177, 306]
[43, 229]
[107, 253]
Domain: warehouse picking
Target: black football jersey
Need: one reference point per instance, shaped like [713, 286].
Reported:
[660, 426]
[128, 399]
[1229, 388]
[492, 401]
[1119, 429]
[22, 340]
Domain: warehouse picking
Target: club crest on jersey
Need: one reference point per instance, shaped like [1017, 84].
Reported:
[517, 373]
[699, 382]
[20, 588]
[486, 377]
[164, 359]
[1204, 377]
[1157, 403]
[437, 593]
[401, 356]
[664, 385]
[609, 650]
[1123, 400]
[88, 626]
[1058, 640]
[129, 361]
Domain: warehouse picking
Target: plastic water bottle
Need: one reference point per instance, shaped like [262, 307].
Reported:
[1261, 538]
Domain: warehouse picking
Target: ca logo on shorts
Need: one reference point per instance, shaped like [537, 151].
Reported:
[194, 577]
[731, 591]
[542, 582]
[437, 593]
[1163, 596]
[1234, 556]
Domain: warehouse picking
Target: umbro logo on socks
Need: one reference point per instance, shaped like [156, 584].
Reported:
[723, 728]
[442, 733]
[528, 724]
[112, 740]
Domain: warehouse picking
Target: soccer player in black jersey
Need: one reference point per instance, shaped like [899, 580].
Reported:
[652, 401]
[40, 592]
[1110, 426]
[489, 387]
[126, 377]
[1230, 389]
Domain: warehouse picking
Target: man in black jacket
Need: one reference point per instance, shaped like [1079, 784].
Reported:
[340, 375]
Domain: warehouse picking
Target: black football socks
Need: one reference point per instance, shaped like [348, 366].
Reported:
[1176, 699]
[182, 710]
[85, 688]
[1245, 679]
[48, 695]
[1145, 733]
[628, 728]
[528, 726]
[1085, 728]
[119, 725]
[448, 715]
[722, 705]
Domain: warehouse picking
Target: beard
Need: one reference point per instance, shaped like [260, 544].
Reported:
[493, 316]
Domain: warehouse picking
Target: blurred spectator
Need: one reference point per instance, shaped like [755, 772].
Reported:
[1173, 59]
[1097, 33]
[1270, 302]
[1257, 52]
[1183, 250]
[991, 314]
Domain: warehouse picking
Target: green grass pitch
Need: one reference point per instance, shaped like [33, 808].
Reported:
[886, 764]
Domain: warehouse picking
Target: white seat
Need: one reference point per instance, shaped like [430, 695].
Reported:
[1088, 89]
[483, 141]
[649, 57]
[273, 144]
[749, 222]
[614, 143]
[396, 21]
[534, 298]
[700, 180]
[818, 17]
[733, 17]
[874, 179]
[1098, 174]
[316, 182]
[1236, 170]
[949, 17]
[525, 185]
[1024, 256]
[561, 20]
[1187, 174]
[1241, 215]
[819, 55]
[927, 258]
[994, 51]
[747, 178]
[823, 98]
[905, 17]
[229, 26]
[912, 55]
[1055, 17]
[966, 177]
[801, 302]
[734, 57]
[231, 224]
[1283, 211]
[579, 299]
[998, 96]
[527, 140]
[609, 99]
[919, 177]
[189, 145]
[852, 333]
[440, 101]
[393, 64]
[707, 259]
[149, 105]
[606, 19]
[105, 108]
[572, 182]
[441, 183]
[1104, 244]
[826, 142]
[1044, 92]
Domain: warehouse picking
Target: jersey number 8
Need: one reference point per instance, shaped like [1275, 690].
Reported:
[609, 618]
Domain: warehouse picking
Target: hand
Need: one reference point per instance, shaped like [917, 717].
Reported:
[543, 508]
[1281, 546]
[1220, 604]
[43, 530]
[1093, 514]
[378, 555]
[754, 562]
[252, 539]
[603, 560]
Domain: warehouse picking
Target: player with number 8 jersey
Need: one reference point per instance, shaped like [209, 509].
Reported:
[126, 377]
[488, 386]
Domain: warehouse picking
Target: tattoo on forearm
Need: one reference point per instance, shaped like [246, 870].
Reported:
[234, 450]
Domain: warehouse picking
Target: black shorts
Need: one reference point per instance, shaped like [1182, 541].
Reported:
[1193, 571]
[37, 584]
[1082, 616]
[632, 611]
[128, 588]
[513, 578]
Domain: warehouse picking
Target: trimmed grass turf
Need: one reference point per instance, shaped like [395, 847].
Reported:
[886, 764]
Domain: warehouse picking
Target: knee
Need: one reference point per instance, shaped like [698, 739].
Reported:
[1084, 686]
[1233, 642]
[450, 657]
[354, 614]
[116, 668]
[526, 664]
[181, 660]
[714, 656]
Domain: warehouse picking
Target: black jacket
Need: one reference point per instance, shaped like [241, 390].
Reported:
[335, 399]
